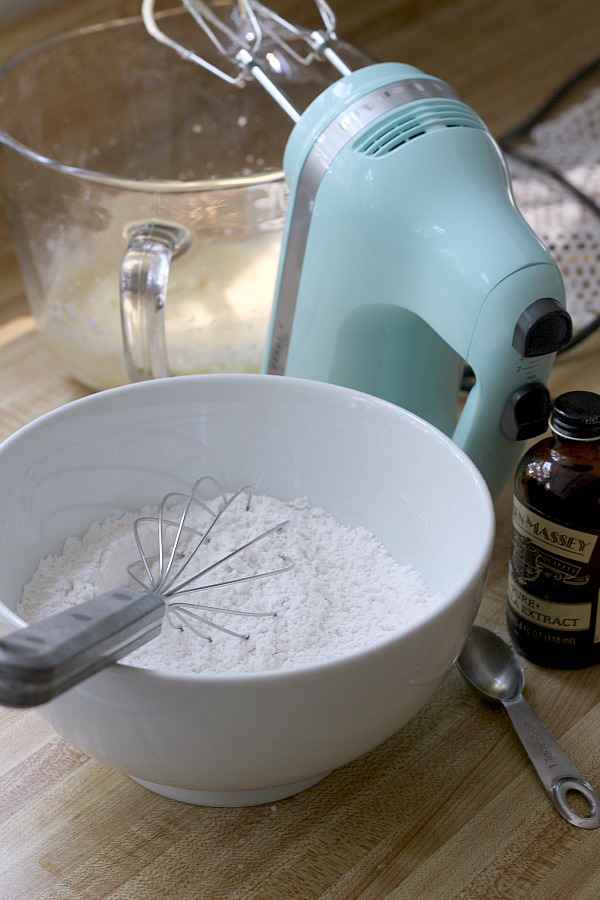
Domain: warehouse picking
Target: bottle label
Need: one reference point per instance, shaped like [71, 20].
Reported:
[554, 538]
[553, 590]
[557, 616]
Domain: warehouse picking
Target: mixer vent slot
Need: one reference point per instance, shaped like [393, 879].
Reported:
[413, 121]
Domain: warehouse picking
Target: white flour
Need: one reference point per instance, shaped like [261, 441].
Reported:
[344, 593]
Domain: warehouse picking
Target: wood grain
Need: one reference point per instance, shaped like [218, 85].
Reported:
[447, 808]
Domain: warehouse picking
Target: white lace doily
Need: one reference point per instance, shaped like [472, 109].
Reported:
[570, 143]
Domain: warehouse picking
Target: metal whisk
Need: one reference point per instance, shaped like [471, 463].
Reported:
[249, 35]
[47, 657]
[165, 569]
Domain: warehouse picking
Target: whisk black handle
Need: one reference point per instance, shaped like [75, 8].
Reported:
[44, 659]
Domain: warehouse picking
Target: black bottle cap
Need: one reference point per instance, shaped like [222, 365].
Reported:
[576, 415]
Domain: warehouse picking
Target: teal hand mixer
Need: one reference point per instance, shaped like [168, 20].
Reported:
[404, 258]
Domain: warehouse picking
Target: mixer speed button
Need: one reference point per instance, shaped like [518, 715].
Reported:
[526, 412]
[544, 327]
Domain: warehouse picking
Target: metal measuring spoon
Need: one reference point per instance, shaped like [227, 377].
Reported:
[491, 666]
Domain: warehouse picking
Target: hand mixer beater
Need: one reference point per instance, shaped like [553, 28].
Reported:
[44, 659]
[404, 256]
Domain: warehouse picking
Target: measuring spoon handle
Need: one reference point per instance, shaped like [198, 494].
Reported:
[558, 774]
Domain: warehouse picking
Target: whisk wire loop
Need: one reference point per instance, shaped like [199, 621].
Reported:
[186, 612]
[184, 588]
[164, 575]
[190, 500]
[156, 582]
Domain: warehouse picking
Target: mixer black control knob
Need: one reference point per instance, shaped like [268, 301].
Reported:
[544, 327]
[526, 412]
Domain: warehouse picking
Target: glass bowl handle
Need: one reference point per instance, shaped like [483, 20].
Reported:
[144, 274]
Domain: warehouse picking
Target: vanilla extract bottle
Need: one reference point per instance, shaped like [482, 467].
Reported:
[554, 573]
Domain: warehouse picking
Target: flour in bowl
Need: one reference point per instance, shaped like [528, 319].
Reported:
[344, 593]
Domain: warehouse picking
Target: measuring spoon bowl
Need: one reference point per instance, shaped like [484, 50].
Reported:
[491, 666]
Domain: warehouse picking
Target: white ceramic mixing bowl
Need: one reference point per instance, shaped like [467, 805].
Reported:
[233, 740]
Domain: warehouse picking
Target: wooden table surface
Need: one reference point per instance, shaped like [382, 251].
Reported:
[447, 808]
